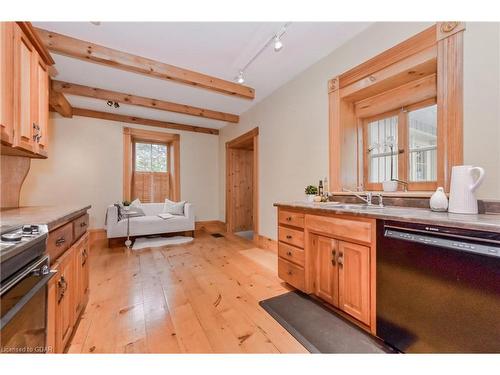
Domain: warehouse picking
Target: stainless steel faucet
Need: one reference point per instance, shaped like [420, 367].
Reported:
[367, 200]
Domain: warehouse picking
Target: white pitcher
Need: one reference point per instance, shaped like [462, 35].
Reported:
[462, 199]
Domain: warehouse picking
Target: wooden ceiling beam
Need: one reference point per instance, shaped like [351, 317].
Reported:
[142, 121]
[58, 102]
[96, 93]
[83, 50]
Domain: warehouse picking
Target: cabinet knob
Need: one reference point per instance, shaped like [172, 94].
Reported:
[289, 253]
[83, 224]
[289, 218]
[290, 273]
[288, 237]
[333, 257]
[340, 259]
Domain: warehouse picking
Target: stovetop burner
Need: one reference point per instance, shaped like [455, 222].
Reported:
[12, 237]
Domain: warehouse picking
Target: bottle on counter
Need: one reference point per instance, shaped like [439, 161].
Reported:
[320, 188]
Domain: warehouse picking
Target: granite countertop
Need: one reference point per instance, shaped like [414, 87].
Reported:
[52, 216]
[486, 222]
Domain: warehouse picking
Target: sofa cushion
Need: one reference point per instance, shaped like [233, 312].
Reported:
[174, 208]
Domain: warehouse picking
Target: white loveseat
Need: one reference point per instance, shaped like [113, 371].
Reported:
[150, 223]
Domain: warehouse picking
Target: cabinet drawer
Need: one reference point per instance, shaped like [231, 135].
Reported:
[80, 226]
[291, 253]
[295, 219]
[343, 228]
[292, 274]
[291, 236]
[59, 241]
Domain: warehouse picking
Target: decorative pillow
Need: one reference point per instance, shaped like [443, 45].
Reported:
[136, 203]
[174, 208]
[119, 207]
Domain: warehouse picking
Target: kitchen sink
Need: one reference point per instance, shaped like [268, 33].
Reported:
[352, 206]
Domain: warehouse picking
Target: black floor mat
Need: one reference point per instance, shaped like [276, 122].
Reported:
[319, 329]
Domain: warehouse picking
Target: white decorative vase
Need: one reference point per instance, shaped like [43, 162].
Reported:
[462, 188]
[439, 200]
[310, 197]
[390, 186]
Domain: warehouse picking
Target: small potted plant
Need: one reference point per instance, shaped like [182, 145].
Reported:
[311, 192]
[126, 205]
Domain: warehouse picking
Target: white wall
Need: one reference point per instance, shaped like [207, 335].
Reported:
[293, 121]
[85, 166]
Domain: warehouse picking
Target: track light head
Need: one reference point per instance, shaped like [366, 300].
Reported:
[278, 44]
[110, 103]
[239, 78]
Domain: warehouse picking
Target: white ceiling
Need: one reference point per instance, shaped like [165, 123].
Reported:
[215, 48]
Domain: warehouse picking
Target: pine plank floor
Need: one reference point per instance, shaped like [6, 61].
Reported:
[196, 298]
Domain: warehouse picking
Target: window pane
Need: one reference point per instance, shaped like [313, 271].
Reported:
[150, 157]
[422, 130]
[158, 158]
[382, 137]
[142, 157]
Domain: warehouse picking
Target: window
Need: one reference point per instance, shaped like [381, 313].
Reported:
[151, 165]
[402, 145]
[150, 157]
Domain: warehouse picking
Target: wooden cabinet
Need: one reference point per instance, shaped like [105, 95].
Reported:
[68, 291]
[354, 280]
[24, 84]
[7, 82]
[325, 271]
[65, 295]
[332, 257]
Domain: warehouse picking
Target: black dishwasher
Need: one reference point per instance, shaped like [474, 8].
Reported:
[438, 288]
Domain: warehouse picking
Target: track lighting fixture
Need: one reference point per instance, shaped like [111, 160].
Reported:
[239, 78]
[278, 44]
[113, 104]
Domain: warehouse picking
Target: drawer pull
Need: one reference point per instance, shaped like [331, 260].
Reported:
[290, 273]
[289, 253]
[83, 224]
[333, 257]
[60, 241]
[288, 237]
[289, 218]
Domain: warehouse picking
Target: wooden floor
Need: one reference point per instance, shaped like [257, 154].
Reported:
[196, 298]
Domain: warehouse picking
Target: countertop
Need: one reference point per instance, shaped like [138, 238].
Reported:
[52, 216]
[485, 222]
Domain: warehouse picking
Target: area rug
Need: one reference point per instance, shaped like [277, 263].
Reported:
[319, 329]
[143, 242]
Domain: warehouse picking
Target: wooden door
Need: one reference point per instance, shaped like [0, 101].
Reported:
[41, 111]
[24, 91]
[241, 189]
[354, 280]
[326, 272]
[7, 81]
[65, 300]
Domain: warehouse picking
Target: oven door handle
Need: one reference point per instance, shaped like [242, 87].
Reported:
[25, 299]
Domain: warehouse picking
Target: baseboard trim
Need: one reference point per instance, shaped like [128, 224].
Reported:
[210, 225]
[266, 243]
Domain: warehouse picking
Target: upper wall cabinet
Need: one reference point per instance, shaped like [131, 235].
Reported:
[24, 102]
[398, 116]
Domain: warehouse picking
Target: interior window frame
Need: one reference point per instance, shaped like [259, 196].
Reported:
[403, 149]
[144, 141]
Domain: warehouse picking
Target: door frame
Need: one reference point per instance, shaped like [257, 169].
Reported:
[234, 143]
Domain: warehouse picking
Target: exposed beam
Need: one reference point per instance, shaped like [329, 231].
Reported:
[58, 102]
[93, 92]
[87, 51]
[142, 121]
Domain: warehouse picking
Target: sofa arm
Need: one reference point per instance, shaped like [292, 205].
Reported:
[189, 211]
[111, 216]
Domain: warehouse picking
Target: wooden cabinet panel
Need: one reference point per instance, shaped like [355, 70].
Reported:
[354, 280]
[59, 241]
[65, 314]
[24, 89]
[325, 272]
[41, 111]
[291, 236]
[356, 230]
[292, 274]
[7, 81]
[291, 253]
[295, 219]
[81, 274]
[80, 226]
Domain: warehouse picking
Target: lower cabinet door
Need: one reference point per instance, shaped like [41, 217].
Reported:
[354, 280]
[326, 272]
[65, 300]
